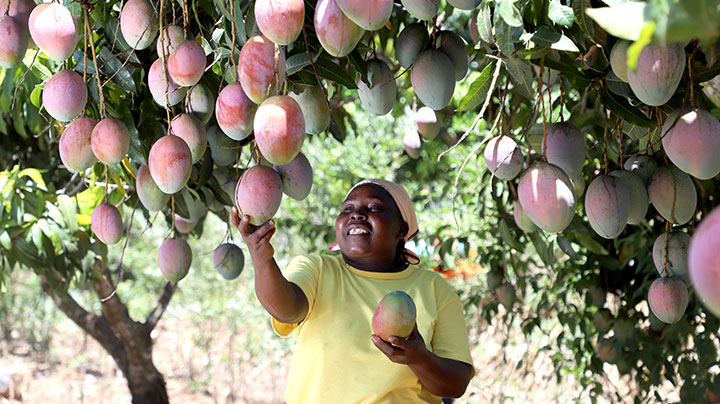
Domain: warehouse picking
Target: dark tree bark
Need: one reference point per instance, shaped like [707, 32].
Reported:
[126, 340]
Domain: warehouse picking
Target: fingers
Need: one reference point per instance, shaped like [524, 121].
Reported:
[246, 228]
[384, 346]
[265, 238]
[262, 232]
[234, 217]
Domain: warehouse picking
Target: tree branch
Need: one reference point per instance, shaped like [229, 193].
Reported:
[93, 324]
[163, 302]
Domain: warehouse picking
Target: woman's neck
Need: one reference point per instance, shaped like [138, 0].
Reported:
[395, 266]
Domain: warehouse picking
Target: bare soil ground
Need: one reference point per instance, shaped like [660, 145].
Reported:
[77, 370]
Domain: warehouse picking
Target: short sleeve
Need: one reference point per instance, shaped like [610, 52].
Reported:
[450, 337]
[303, 271]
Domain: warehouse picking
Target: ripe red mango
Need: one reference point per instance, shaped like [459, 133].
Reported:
[53, 29]
[703, 262]
[174, 259]
[258, 194]
[106, 223]
[74, 145]
[280, 20]
[64, 95]
[668, 299]
[394, 316]
[170, 162]
[279, 129]
[337, 34]
[257, 68]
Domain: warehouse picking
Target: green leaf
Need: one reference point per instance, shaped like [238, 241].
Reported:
[636, 48]
[478, 89]
[114, 67]
[579, 8]
[297, 62]
[34, 175]
[67, 209]
[555, 40]
[358, 64]
[624, 21]
[559, 14]
[508, 238]
[541, 247]
[332, 71]
[251, 28]
[35, 96]
[484, 23]
[620, 107]
[507, 36]
[509, 13]
[589, 243]
[521, 75]
[565, 245]
[117, 41]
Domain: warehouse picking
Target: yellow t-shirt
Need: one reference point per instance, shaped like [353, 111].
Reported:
[335, 361]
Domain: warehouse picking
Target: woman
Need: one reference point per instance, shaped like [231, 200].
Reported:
[327, 301]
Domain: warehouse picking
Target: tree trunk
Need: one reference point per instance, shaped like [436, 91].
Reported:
[126, 340]
[146, 383]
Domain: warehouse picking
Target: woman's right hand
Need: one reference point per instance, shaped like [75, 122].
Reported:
[257, 238]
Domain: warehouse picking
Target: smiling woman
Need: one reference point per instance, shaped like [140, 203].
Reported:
[370, 230]
[327, 302]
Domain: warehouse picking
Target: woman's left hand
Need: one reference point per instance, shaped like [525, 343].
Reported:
[406, 351]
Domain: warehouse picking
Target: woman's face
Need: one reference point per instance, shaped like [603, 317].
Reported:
[369, 226]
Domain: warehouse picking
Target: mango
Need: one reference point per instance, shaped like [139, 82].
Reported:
[53, 29]
[503, 157]
[235, 112]
[703, 261]
[297, 177]
[106, 223]
[422, 9]
[228, 260]
[258, 194]
[170, 163]
[412, 40]
[547, 196]
[378, 96]
[75, 150]
[224, 150]
[337, 34]
[607, 204]
[186, 64]
[678, 245]
[691, 140]
[279, 129]
[668, 299]
[639, 200]
[565, 147]
[150, 195]
[428, 123]
[280, 20]
[433, 78]
[138, 23]
[314, 109]
[658, 73]
[257, 68]
[110, 140]
[174, 259]
[673, 194]
[370, 15]
[394, 316]
[65, 95]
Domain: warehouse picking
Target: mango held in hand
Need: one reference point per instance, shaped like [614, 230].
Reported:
[394, 315]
